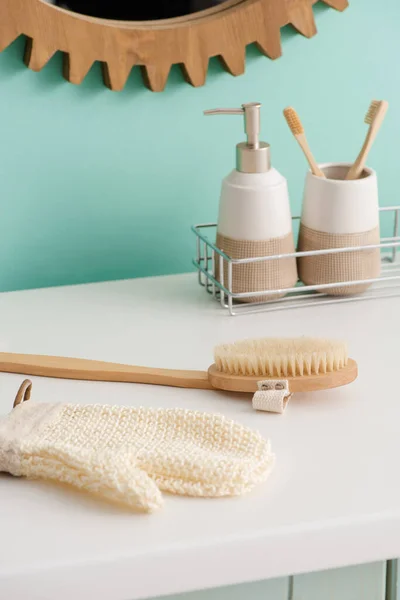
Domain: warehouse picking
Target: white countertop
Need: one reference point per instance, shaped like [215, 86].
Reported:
[332, 500]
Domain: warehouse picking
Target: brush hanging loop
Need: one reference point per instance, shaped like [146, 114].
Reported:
[24, 392]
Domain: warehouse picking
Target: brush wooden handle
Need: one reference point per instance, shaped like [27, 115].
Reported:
[302, 140]
[95, 370]
[358, 166]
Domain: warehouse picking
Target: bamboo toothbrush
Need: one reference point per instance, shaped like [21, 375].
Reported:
[308, 364]
[296, 127]
[374, 118]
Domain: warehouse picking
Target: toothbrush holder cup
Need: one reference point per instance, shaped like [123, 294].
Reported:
[339, 214]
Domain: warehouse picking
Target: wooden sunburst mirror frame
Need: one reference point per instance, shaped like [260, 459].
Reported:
[189, 41]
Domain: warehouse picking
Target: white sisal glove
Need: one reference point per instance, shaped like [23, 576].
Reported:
[128, 454]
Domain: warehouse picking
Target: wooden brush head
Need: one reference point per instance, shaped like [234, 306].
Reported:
[304, 383]
[309, 364]
[293, 120]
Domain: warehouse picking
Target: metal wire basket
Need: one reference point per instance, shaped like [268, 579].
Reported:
[207, 255]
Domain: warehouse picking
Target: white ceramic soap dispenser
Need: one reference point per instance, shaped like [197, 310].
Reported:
[254, 216]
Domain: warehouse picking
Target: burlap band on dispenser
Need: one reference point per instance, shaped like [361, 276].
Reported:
[344, 266]
[266, 275]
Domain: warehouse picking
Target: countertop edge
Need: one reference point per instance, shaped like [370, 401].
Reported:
[239, 560]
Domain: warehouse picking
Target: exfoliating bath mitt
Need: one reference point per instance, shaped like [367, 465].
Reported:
[129, 455]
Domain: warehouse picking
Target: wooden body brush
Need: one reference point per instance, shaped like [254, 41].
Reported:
[308, 364]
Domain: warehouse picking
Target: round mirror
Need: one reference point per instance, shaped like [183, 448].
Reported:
[124, 34]
[123, 10]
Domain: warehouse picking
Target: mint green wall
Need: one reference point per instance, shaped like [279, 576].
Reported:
[97, 185]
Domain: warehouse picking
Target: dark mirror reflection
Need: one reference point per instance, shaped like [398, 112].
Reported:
[129, 10]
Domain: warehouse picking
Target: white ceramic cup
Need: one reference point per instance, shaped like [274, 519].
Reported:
[335, 205]
[338, 214]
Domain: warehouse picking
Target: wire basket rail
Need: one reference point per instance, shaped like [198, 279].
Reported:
[208, 256]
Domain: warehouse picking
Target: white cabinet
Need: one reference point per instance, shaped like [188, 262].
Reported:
[363, 582]
[273, 589]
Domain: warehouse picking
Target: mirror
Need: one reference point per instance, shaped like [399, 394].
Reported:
[120, 39]
[123, 10]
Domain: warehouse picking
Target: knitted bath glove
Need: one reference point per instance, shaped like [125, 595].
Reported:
[129, 454]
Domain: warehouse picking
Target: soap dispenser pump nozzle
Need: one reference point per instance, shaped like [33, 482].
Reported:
[252, 156]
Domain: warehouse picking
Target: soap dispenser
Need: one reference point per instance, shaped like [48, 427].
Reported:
[254, 216]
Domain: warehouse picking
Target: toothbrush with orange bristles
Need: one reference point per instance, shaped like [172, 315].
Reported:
[374, 118]
[296, 127]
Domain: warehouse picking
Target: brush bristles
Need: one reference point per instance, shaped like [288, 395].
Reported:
[370, 116]
[293, 120]
[281, 357]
